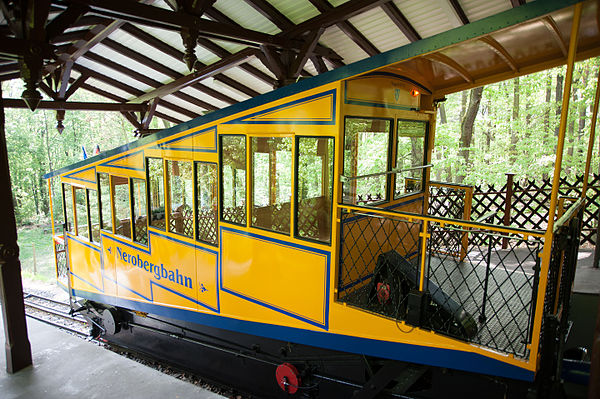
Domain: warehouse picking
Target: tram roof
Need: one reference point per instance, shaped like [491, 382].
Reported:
[509, 43]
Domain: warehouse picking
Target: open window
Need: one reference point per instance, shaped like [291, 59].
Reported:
[140, 219]
[206, 202]
[68, 202]
[271, 183]
[366, 160]
[81, 212]
[106, 219]
[181, 197]
[120, 191]
[314, 189]
[233, 179]
[156, 192]
[94, 215]
[410, 156]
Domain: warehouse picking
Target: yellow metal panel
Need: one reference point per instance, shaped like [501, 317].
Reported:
[108, 262]
[85, 265]
[380, 91]
[270, 273]
[206, 272]
[82, 178]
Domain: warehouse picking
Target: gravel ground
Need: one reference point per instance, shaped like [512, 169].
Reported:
[53, 291]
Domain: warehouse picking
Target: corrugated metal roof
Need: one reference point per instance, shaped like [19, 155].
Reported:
[143, 57]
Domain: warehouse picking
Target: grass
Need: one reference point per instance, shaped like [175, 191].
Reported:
[38, 239]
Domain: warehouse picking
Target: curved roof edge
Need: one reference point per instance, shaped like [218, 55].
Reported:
[475, 29]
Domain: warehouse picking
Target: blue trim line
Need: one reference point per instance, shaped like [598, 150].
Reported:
[85, 243]
[438, 357]
[327, 254]
[86, 282]
[247, 119]
[150, 280]
[165, 146]
[70, 175]
[513, 16]
[110, 165]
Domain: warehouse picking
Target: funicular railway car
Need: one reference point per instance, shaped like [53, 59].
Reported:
[291, 233]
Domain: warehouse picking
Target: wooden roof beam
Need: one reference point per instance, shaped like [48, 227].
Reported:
[65, 19]
[271, 13]
[401, 22]
[175, 20]
[516, 3]
[349, 30]
[203, 73]
[459, 11]
[450, 63]
[76, 105]
[501, 51]
[548, 21]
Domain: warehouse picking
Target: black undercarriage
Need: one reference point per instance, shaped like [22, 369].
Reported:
[248, 363]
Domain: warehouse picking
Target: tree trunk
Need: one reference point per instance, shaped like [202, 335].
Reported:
[463, 104]
[558, 99]
[467, 126]
[443, 118]
[548, 99]
[514, 133]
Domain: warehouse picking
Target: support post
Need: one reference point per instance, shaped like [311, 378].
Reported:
[17, 348]
[563, 116]
[508, 204]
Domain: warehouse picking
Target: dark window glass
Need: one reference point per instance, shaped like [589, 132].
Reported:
[105, 208]
[58, 212]
[120, 191]
[271, 182]
[206, 200]
[314, 188]
[156, 191]
[82, 212]
[68, 201]
[410, 152]
[94, 218]
[181, 197]
[366, 153]
[233, 179]
[140, 230]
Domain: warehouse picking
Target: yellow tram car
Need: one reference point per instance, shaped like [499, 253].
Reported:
[273, 218]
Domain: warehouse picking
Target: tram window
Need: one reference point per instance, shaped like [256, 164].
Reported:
[58, 213]
[156, 192]
[181, 197]
[314, 194]
[68, 201]
[233, 179]
[104, 200]
[138, 196]
[410, 152]
[94, 215]
[366, 153]
[81, 212]
[271, 183]
[206, 202]
[120, 192]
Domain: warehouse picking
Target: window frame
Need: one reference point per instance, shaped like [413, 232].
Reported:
[148, 196]
[295, 190]
[221, 185]
[132, 210]
[66, 222]
[250, 182]
[114, 211]
[91, 233]
[389, 190]
[100, 218]
[167, 193]
[425, 160]
[217, 192]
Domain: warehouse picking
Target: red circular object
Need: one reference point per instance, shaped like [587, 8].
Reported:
[383, 293]
[287, 377]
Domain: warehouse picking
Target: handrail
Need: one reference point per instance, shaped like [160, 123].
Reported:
[449, 184]
[568, 215]
[345, 179]
[438, 219]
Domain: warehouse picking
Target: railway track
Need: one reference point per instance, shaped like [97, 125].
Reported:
[54, 313]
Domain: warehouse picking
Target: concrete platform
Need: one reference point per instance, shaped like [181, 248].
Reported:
[65, 366]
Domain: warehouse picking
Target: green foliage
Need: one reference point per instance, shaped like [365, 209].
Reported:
[35, 147]
[524, 145]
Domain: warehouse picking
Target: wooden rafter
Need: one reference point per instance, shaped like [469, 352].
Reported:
[450, 63]
[76, 105]
[501, 51]
[459, 11]
[555, 32]
[203, 73]
[349, 30]
[401, 22]
[65, 20]
[516, 3]
[305, 52]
